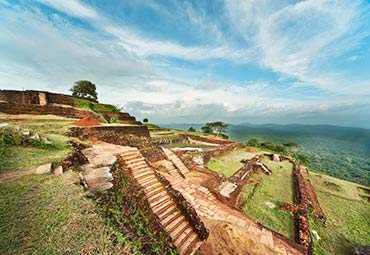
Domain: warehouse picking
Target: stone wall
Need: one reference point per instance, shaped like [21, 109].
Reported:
[68, 112]
[135, 136]
[121, 117]
[33, 97]
[185, 207]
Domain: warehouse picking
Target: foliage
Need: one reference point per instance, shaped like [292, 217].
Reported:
[191, 129]
[96, 107]
[84, 89]
[253, 142]
[112, 120]
[145, 120]
[207, 130]
[342, 152]
[217, 127]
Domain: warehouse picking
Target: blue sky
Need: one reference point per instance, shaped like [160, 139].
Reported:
[258, 61]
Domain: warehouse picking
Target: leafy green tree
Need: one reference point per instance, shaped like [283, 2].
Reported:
[84, 89]
[291, 144]
[253, 142]
[217, 127]
[145, 120]
[191, 129]
[207, 129]
[268, 145]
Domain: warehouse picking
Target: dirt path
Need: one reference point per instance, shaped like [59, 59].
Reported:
[11, 176]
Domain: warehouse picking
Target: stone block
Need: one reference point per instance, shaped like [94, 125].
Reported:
[43, 169]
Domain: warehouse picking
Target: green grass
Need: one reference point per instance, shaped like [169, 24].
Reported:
[14, 158]
[276, 189]
[47, 124]
[347, 215]
[47, 214]
[96, 107]
[229, 163]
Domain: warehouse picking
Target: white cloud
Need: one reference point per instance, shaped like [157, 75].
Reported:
[72, 7]
[144, 47]
[295, 39]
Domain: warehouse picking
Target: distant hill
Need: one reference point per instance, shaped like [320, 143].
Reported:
[343, 152]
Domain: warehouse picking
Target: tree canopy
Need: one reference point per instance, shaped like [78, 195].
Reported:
[217, 127]
[191, 129]
[84, 89]
[145, 120]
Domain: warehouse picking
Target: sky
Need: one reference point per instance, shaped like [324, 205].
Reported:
[251, 61]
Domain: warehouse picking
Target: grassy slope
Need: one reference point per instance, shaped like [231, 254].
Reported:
[16, 158]
[229, 163]
[347, 216]
[347, 212]
[46, 214]
[276, 189]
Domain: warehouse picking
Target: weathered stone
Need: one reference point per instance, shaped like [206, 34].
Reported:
[58, 170]
[110, 160]
[36, 137]
[228, 189]
[4, 124]
[270, 205]
[100, 186]
[43, 169]
[26, 133]
[276, 158]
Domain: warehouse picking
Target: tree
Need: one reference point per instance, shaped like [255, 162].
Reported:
[217, 127]
[85, 89]
[253, 142]
[191, 129]
[145, 120]
[207, 129]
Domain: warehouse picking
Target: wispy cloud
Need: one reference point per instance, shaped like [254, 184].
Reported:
[144, 47]
[72, 7]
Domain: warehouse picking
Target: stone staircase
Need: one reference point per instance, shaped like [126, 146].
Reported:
[176, 161]
[171, 218]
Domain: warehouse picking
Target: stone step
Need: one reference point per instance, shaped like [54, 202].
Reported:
[159, 201]
[143, 174]
[167, 211]
[152, 186]
[171, 226]
[148, 183]
[154, 191]
[142, 170]
[145, 178]
[133, 156]
[191, 244]
[179, 229]
[136, 164]
[157, 196]
[183, 236]
[169, 219]
[135, 160]
[162, 207]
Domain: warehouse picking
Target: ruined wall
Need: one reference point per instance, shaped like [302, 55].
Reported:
[33, 97]
[121, 117]
[185, 207]
[68, 112]
[135, 136]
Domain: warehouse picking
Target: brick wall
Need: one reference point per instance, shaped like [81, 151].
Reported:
[68, 112]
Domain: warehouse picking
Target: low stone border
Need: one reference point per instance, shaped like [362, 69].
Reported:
[185, 207]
